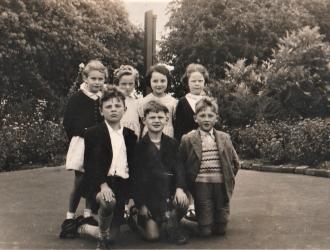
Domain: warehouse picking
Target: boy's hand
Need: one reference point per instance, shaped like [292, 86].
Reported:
[144, 212]
[181, 198]
[106, 192]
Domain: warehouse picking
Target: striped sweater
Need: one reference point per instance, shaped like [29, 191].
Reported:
[210, 170]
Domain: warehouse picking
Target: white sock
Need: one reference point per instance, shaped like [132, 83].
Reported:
[70, 215]
[87, 212]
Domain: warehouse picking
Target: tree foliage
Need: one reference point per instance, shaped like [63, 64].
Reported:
[237, 93]
[298, 75]
[213, 32]
[320, 10]
[294, 82]
[43, 42]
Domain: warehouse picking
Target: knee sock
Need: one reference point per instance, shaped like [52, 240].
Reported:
[104, 224]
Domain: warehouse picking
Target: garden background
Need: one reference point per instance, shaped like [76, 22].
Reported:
[269, 61]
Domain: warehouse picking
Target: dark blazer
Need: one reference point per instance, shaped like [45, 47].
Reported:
[81, 113]
[184, 119]
[157, 173]
[98, 157]
[191, 154]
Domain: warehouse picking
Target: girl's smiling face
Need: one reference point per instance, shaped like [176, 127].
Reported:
[196, 83]
[158, 83]
[126, 84]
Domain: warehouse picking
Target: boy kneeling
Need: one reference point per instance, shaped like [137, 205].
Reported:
[159, 179]
[109, 150]
[211, 164]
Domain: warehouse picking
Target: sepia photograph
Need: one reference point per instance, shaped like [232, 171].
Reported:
[164, 124]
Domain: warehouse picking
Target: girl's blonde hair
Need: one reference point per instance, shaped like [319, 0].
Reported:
[195, 67]
[95, 65]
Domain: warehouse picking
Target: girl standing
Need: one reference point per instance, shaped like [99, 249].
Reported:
[160, 79]
[82, 112]
[195, 77]
[127, 78]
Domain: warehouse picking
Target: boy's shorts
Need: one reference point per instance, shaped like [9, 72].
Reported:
[211, 204]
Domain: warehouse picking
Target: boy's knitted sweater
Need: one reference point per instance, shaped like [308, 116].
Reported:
[210, 170]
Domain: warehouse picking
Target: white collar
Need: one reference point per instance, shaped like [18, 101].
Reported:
[111, 130]
[91, 95]
[194, 97]
[134, 94]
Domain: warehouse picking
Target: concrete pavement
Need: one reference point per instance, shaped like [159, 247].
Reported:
[268, 210]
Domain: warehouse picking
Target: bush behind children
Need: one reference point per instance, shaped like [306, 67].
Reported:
[158, 172]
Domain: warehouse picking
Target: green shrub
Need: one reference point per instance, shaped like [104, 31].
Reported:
[297, 76]
[237, 93]
[304, 142]
[28, 138]
[293, 83]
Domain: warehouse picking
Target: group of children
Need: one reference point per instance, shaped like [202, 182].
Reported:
[158, 152]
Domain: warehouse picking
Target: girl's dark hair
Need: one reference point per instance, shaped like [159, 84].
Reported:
[162, 70]
[111, 92]
[195, 67]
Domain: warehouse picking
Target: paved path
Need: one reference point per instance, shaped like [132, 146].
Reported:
[269, 210]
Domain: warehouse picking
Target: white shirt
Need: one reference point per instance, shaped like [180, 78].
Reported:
[119, 165]
[193, 99]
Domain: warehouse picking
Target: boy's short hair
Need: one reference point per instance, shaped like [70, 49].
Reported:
[195, 67]
[95, 65]
[205, 102]
[124, 70]
[111, 92]
[154, 106]
[162, 69]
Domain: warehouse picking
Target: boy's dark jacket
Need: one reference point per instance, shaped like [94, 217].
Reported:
[191, 154]
[157, 173]
[98, 157]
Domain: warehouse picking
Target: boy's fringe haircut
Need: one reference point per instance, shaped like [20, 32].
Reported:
[154, 106]
[111, 92]
[205, 102]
